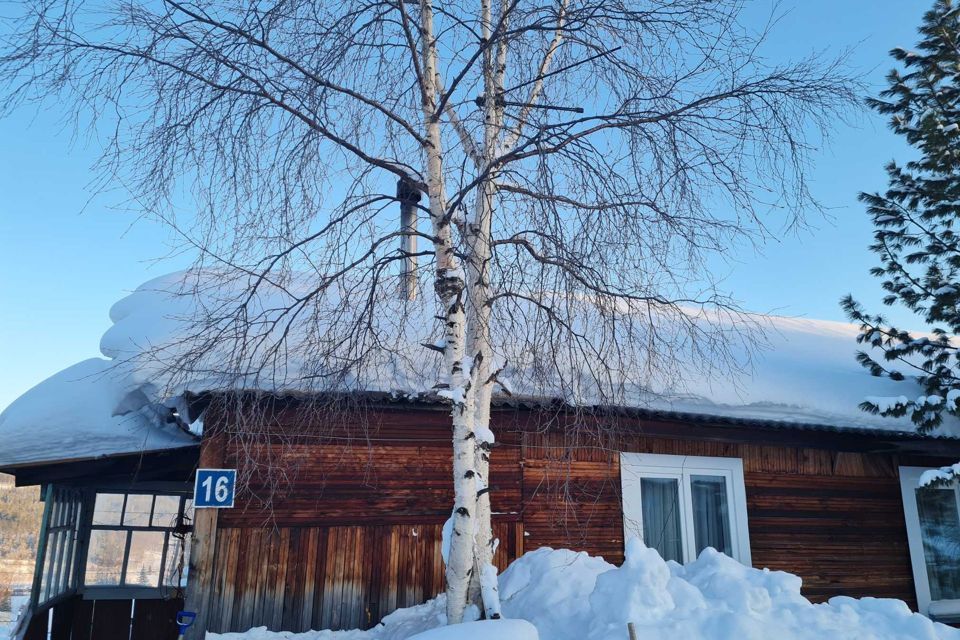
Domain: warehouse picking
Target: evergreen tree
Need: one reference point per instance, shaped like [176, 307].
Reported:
[916, 226]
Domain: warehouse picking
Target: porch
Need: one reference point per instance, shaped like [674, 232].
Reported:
[112, 555]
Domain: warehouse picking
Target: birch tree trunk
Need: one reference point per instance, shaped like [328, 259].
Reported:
[479, 236]
[479, 232]
[450, 289]
[485, 573]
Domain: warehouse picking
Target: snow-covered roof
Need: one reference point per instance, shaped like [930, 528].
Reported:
[806, 374]
[84, 411]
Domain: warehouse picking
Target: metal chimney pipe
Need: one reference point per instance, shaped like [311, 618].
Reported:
[409, 196]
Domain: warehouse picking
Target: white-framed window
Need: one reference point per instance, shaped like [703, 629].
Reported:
[680, 505]
[933, 533]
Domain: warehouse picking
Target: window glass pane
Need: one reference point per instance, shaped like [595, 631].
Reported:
[178, 559]
[137, 511]
[62, 511]
[940, 531]
[711, 515]
[108, 508]
[105, 557]
[45, 575]
[55, 562]
[660, 502]
[146, 554]
[69, 551]
[165, 511]
[56, 511]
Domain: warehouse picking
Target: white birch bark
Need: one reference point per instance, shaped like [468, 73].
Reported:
[484, 543]
[479, 243]
[450, 287]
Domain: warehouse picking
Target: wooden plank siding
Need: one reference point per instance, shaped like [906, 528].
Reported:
[351, 531]
[202, 545]
[340, 577]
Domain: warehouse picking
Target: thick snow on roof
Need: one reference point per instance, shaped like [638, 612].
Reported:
[806, 373]
[84, 411]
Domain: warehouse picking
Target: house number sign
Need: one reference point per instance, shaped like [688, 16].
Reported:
[214, 488]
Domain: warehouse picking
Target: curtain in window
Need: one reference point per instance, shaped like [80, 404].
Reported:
[711, 515]
[940, 531]
[660, 501]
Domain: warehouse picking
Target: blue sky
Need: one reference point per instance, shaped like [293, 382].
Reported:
[66, 258]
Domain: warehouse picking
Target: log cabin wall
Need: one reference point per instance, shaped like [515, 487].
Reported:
[350, 530]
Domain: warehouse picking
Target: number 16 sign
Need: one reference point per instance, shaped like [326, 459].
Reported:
[215, 488]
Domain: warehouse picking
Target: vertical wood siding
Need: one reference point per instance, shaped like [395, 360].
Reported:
[343, 577]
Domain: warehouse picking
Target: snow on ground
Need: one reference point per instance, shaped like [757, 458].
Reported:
[9, 618]
[807, 373]
[484, 630]
[573, 596]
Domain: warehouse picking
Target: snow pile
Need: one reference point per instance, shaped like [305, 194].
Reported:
[290, 336]
[397, 628]
[484, 630]
[203, 332]
[808, 374]
[572, 596]
[126, 402]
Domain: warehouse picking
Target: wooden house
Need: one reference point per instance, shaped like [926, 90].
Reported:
[338, 515]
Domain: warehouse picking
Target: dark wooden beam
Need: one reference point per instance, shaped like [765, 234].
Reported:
[176, 465]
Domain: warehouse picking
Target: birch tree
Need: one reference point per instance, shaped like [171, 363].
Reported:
[573, 165]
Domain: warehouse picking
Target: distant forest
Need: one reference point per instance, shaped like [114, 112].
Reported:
[20, 512]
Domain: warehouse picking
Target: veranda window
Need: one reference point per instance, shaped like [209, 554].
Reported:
[55, 573]
[680, 505]
[137, 542]
[933, 532]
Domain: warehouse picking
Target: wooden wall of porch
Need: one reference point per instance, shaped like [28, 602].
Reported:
[77, 619]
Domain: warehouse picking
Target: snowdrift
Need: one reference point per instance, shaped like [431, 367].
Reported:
[567, 595]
